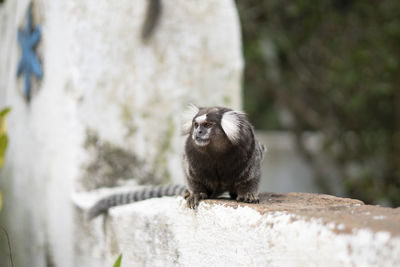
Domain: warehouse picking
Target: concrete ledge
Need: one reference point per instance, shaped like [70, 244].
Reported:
[294, 229]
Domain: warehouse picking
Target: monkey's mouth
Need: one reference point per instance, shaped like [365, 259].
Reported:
[201, 142]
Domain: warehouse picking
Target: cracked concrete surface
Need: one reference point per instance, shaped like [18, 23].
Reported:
[294, 229]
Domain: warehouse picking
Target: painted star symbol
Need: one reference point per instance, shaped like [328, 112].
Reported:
[29, 63]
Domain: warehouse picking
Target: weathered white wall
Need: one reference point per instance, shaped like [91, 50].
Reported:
[284, 230]
[105, 97]
[194, 56]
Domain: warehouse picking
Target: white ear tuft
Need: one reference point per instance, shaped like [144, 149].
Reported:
[187, 118]
[231, 122]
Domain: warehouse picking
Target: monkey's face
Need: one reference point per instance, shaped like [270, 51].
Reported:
[202, 130]
[207, 131]
[215, 128]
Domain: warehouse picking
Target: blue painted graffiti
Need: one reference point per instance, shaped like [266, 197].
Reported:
[29, 63]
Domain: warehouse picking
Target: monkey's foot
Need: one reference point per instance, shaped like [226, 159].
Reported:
[193, 199]
[248, 198]
[186, 194]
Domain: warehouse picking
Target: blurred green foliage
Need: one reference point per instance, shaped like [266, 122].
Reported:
[330, 66]
[3, 134]
[117, 263]
[3, 142]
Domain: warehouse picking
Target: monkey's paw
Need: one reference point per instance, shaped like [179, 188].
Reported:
[193, 199]
[248, 198]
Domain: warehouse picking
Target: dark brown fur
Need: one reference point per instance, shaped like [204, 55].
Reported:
[222, 166]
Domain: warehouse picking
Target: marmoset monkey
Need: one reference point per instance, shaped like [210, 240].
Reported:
[222, 154]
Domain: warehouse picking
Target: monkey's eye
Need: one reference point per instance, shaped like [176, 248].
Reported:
[196, 125]
[208, 124]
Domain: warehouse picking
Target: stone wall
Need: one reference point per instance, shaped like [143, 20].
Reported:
[294, 229]
[107, 109]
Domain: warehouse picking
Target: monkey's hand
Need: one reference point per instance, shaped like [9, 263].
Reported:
[193, 199]
[248, 198]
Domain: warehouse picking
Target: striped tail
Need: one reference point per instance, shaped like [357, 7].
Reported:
[104, 204]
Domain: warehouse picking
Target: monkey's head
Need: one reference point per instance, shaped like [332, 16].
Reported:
[214, 127]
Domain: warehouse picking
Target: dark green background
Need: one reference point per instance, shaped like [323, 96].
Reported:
[332, 67]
